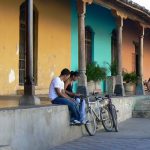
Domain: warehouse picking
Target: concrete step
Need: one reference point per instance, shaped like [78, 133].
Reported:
[5, 147]
[142, 105]
[141, 114]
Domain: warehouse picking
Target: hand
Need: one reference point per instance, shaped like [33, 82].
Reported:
[72, 99]
[78, 94]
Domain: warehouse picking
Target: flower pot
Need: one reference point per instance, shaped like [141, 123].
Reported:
[129, 88]
[93, 86]
[90, 86]
[111, 82]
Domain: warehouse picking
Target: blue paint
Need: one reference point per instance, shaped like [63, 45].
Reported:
[102, 22]
[74, 36]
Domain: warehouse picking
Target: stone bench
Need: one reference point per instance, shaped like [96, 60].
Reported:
[37, 128]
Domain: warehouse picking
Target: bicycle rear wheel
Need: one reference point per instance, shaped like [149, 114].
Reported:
[106, 119]
[114, 117]
[91, 123]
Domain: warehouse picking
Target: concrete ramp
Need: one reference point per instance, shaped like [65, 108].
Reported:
[142, 109]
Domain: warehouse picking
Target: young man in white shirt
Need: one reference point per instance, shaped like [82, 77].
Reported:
[58, 96]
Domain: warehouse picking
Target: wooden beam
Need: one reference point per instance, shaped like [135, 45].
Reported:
[88, 1]
[123, 10]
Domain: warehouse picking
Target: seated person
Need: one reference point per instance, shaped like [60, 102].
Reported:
[58, 95]
[147, 84]
[68, 89]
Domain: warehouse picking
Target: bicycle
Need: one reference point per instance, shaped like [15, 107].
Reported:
[105, 113]
[113, 112]
[95, 116]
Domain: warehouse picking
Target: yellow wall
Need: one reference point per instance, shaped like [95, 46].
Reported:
[53, 42]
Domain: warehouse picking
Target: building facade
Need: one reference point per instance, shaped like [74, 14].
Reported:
[60, 41]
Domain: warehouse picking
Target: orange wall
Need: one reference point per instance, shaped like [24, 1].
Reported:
[53, 42]
[130, 34]
[146, 54]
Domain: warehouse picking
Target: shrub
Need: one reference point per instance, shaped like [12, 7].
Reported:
[95, 72]
[112, 67]
[130, 77]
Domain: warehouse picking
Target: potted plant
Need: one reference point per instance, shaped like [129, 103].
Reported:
[95, 74]
[130, 80]
[113, 68]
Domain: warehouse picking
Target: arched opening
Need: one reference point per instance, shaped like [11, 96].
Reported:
[22, 50]
[114, 46]
[89, 38]
[135, 58]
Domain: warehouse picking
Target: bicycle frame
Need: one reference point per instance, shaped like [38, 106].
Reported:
[102, 114]
[99, 107]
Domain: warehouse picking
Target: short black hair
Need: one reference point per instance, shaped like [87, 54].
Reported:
[74, 73]
[65, 71]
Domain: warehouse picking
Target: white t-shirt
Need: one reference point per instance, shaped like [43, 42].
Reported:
[56, 83]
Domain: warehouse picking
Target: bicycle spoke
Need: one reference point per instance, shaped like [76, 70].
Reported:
[106, 119]
[91, 123]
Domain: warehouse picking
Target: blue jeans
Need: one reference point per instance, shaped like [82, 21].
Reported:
[82, 106]
[74, 112]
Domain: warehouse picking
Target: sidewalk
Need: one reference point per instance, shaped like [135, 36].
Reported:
[134, 134]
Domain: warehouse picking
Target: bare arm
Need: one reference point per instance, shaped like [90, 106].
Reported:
[72, 94]
[66, 84]
[62, 93]
[65, 87]
[68, 92]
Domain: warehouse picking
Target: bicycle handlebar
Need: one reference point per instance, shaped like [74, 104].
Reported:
[97, 98]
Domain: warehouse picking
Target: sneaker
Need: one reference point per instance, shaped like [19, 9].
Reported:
[75, 122]
[85, 122]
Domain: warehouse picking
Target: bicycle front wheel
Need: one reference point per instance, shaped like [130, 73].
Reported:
[114, 117]
[91, 123]
[106, 119]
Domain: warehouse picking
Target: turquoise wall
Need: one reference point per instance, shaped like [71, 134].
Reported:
[74, 36]
[102, 23]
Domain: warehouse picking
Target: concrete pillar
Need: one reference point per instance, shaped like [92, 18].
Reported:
[82, 84]
[119, 43]
[29, 89]
[119, 88]
[140, 87]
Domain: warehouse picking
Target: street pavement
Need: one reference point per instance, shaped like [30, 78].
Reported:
[134, 134]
